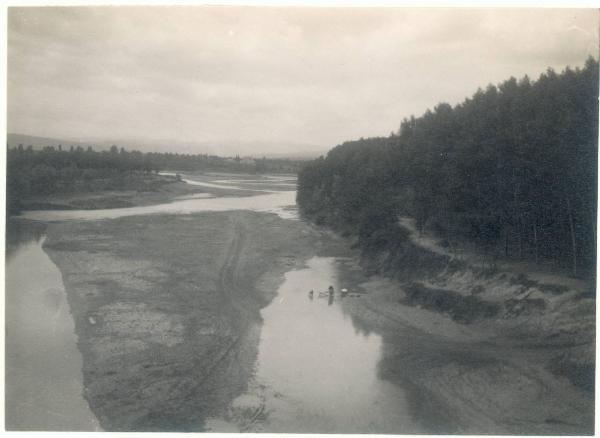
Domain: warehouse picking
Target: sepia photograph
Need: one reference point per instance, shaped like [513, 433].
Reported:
[314, 219]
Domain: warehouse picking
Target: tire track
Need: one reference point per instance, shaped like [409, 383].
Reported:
[215, 375]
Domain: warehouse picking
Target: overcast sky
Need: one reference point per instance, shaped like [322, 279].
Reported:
[317, 76]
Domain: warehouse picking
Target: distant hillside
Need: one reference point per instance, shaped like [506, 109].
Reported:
[224, 148]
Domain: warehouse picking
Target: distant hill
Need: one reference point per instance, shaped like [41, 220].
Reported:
[222, 148]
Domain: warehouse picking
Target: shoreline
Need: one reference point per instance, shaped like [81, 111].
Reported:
[149, 308]
[160, 189]
[482, 377]
[167, 313]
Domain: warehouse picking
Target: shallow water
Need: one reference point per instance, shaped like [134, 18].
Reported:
[249, 185]
[278, 183]
[43, 380]
[316, 372]
[281, 203]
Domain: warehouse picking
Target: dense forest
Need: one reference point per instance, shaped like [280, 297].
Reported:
[54, 169]
[512, 168]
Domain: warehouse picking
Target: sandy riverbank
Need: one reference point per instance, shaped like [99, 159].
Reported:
[166, 308]
[525, 369]
[471, 378]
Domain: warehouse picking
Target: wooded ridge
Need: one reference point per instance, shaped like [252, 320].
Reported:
[512, 169]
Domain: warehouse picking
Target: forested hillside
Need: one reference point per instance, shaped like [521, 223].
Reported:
[512, 168]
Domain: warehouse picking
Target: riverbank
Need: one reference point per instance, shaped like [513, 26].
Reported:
[166, 308]
[472, 379]
[167, 314]
[136, 189]
[481, 351]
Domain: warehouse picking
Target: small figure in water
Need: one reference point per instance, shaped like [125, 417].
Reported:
[330, 301]
[311, 294]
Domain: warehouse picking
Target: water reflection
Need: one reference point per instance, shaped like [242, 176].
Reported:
[314, 372]
[280, 203]
[21, 232]
[44, 389]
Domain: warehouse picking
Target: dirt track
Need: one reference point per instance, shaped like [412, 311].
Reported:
[167, 309]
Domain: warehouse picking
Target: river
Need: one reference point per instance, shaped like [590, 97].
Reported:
[316, 371]
[280, 202]
[44, 383]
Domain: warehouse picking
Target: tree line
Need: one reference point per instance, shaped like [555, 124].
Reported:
[54, 169]
[513, 168]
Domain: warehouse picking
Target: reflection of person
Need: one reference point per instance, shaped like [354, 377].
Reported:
[311, 294]
[330, 302]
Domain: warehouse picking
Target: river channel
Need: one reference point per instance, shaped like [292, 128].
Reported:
[315, 372]
[44, 383]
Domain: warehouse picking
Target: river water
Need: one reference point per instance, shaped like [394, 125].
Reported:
[280, 203]
[316, 372]
[44, 382]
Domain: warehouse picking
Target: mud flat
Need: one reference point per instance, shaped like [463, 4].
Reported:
[166, 308]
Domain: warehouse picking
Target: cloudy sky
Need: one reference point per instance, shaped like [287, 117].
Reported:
[314, 76]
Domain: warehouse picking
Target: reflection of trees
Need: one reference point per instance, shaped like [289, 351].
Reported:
[20, 232]
[409, 360]
[408, 357]
[361, 325]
